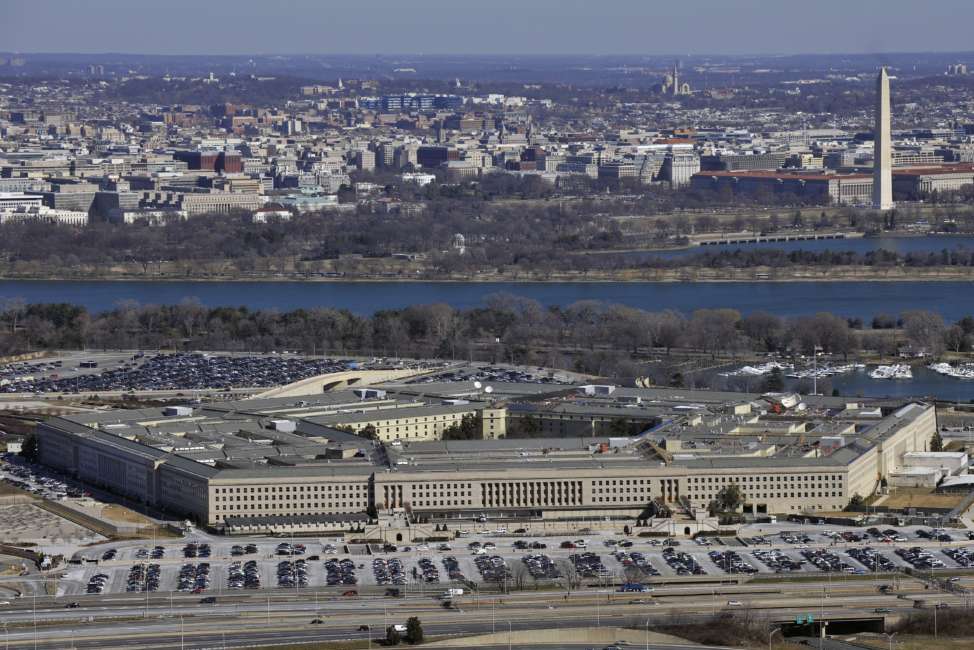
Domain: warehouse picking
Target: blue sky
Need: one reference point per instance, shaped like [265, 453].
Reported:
[485, 26]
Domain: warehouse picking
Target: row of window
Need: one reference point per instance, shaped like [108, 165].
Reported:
[764, 479]
[772, 495]
[354, 487]
[296, 508]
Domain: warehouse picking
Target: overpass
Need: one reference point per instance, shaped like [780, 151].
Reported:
[338, 380]
[812, 625]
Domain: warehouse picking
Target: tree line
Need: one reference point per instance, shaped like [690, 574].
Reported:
[590, 336]
[548, 236]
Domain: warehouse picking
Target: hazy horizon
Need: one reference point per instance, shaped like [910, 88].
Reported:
[440, 27]
[501, 55]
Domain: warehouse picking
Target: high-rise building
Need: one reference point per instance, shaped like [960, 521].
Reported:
[365, 160]
[384, 154]
[882, 147]
[679, 167]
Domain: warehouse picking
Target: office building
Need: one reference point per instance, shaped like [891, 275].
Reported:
[679, 166]
[434, 156]
[847, 189]
[379, 451]
[13, 200]
[737, 162]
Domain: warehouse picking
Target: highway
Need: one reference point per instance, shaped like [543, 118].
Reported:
[237, 624]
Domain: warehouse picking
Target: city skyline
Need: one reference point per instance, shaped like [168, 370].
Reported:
[621, 27]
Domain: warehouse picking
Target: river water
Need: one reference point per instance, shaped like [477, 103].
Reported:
[925, 383]
[863, 299]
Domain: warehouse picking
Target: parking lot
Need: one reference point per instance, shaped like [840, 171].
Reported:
[496, 375]
[182, 371]
[218, 566]
[37, 480]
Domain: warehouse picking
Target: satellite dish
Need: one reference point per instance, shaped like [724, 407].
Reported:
[489, 390]
[477, 385]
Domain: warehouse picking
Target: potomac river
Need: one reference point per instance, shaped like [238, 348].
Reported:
[952, 300]
[863, 299]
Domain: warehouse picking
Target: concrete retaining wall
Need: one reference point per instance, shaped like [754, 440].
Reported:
[596, 636]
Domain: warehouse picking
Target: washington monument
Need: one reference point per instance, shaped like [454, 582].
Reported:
[882, 154]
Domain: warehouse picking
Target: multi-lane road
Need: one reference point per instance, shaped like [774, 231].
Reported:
[124, 622]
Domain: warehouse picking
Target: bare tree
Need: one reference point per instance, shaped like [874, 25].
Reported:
[569, 573]
[519, 575]
[924, 331]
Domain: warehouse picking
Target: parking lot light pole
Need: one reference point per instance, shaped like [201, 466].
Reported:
[510, 633]
[770, 634]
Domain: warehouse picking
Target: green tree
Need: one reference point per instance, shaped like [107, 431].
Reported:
[470, 427]
[775, 382]
[414, 630]
[392, 636]
[856, 500]
[368, 432]
[728, 499]
[936, 442]
[30, 450]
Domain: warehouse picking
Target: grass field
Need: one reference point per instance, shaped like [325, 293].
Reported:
[919, 498]
[916, 642]
[120, 513]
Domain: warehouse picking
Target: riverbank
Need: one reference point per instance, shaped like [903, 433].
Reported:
[758, 274]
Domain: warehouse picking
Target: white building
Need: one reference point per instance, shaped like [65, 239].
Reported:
[44, 213]
[419, 179]
[679, 166]
[14, 200]
[951, 462]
